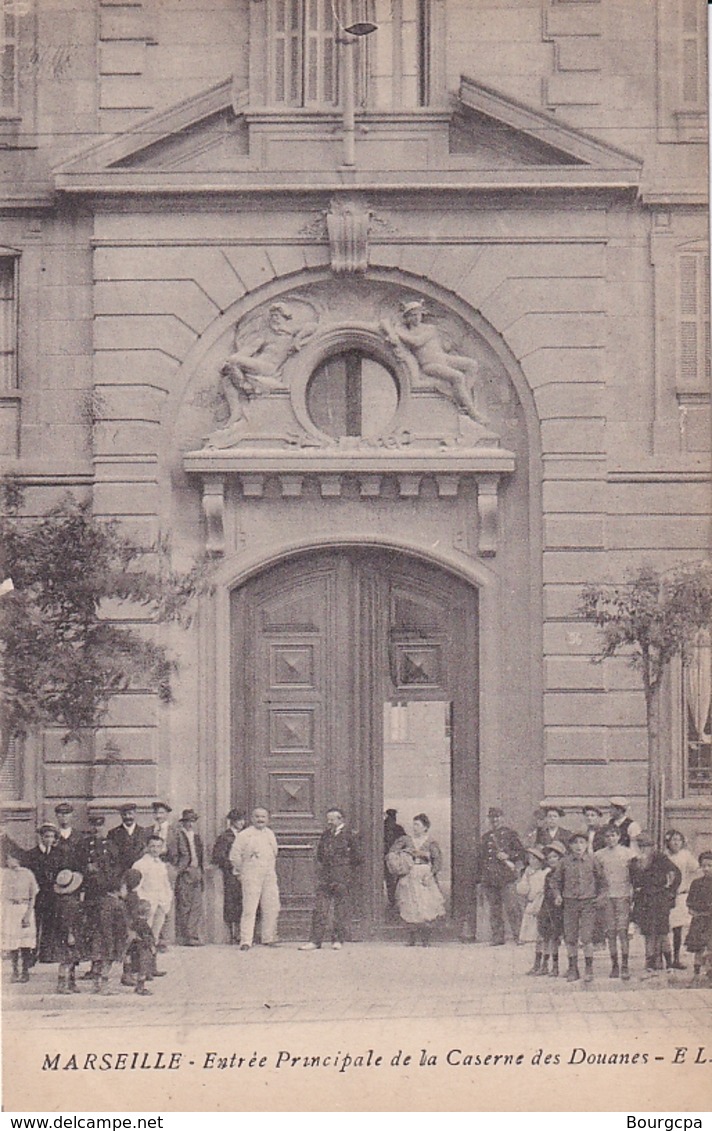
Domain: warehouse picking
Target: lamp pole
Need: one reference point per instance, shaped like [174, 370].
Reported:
[349, 100]
[348, 39]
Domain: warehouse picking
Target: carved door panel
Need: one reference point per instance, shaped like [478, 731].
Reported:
[321, 643]
[292, 710]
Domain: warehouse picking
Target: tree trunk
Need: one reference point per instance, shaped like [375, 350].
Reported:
[656, 777]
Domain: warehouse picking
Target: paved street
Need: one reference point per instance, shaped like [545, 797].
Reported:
[421, 1013]
[221, 985]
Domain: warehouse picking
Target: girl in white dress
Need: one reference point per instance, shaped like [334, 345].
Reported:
[531, 886]
[680, 918]
[19, 933]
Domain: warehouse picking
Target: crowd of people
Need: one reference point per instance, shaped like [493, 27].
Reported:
[111, 898]
[586, 888]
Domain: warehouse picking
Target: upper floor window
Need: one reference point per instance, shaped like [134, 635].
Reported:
[694, 320]
[392, 67]
[8, 322]
[696, 717]
[8, 46]
[693, 41]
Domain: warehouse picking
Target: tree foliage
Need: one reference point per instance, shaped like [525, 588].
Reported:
[62, 657]
[654, 616]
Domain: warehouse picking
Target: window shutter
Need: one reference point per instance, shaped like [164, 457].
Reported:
[693, 53]
[8, 325]
[694, 320]
[8, 75]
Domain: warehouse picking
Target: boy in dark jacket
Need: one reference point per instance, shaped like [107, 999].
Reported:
[577, 882]
[140, 959]
[550, 920]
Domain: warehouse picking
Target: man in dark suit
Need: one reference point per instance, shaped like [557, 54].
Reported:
[500, 858]
[44, 861]
[188, 863]
[97, 861]
[232, 888]
[128, 839]
[338, 854]
[69, 839]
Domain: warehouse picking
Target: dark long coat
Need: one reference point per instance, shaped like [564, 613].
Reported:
[188, 890]
[44, 867]
[232, 888]
[654, 890]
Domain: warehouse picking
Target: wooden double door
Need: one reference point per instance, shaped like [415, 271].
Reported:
[322, 645]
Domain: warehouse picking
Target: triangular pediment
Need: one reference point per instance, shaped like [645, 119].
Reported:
[210, 142]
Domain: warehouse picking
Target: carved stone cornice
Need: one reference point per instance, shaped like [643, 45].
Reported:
[369, 469]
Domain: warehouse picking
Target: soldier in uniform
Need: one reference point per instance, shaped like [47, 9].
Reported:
[500, 858]
[98, 863]
[69, 839]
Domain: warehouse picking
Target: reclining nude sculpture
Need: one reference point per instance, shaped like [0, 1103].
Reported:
[253, 369]
[422, 340]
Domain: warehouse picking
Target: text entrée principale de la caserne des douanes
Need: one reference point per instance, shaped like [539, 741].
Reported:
[343, 1061]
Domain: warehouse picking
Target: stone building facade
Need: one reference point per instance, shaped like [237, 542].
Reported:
[412, 379]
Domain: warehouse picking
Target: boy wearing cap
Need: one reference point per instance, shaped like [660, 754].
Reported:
[110, 937]
[188, 863]
[44, 862]
[68, 928]
[128, 838]
[615, 860]
[232, 888]
[501, 856]
[577, 882]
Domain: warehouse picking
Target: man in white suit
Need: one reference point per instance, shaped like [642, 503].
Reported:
[254, 859]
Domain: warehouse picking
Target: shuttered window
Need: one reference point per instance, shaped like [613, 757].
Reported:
[304, 50]
[8, 323]
[694, 320]
[693, 17]
[8, 75]
[391, 67]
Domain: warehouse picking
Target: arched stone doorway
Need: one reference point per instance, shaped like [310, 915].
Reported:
[355, 682]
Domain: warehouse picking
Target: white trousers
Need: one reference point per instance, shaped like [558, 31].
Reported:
[259, 889]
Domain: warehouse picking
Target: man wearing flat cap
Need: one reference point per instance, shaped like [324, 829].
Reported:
[499, 862]
[69, 840]
[128, 838]
[232, 888]
[627, 827]
[596, 833]
[44, 861]
[188, 863]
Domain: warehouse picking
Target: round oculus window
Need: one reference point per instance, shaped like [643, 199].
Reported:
[352, 394]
